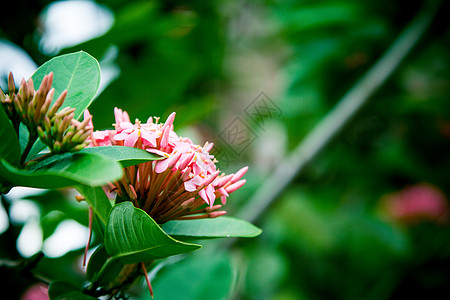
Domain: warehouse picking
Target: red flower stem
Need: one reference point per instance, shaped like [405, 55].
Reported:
[190, 210]
[155, 188]
[167, 188]
[174, 203]
[91, 215]
[168, 203]
[143, 178]
[147, 279]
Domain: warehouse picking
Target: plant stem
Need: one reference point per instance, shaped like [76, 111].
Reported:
[339, 116]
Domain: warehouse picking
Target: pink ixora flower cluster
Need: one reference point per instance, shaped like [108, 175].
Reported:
[182, 186]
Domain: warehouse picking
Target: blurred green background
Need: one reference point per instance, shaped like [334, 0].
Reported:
[367, 218]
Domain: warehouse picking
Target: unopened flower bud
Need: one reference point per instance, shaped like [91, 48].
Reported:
[216, 214]
[235, 186]
[80, 146]
[47, 124]
[224, 180]
[2, 95]
[187, 202]
[11, 84]
[41, 133]
[64, 112]
[18, 105]
[68, 137]
[57, 147]
[213, 208]
[239, 174]
[58, 103]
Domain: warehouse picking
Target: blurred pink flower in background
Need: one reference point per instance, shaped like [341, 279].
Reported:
[36, 292]
[416, 204]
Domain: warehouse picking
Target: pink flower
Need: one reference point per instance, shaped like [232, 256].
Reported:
[417, 203]
[184, 185]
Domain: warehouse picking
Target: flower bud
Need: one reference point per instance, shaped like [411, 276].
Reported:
[216, 214]
[41, 133]
[11, 84]
[57, 146]
[235, 186]
[58, 103]
[2, 95]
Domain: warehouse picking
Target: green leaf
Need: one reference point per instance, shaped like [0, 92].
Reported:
[127, 156]
[65, 290]
[214, 275]
[211, 228]
[76, 168]
[9, 147]
[96, 262]
[101, 268]
[77, 72]
[23, 136]
[132, 236]
[97, 199]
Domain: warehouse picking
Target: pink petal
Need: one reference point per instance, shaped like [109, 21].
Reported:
[189, 186]
[223, 199]
[126, 125]
[211, 178]
[185, 161]
[223, 192]
[161, 165]
[149, 138]
[165, 138]
[202, 194]
[174, 159]
[186, 174]
[210, 194]
[158, 152]
[120, 136]
[131, 139]
[207, 147]
[169, 121]
[193, 184]
[100, 134]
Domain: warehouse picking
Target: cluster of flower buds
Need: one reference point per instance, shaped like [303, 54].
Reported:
[56, 128]
[182, 186]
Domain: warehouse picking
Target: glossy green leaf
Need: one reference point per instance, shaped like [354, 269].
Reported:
[97, 199]
[101, 268]
[77, 72]
[132, 236]
[211, 228]
[23, 136]
[214, 272]
[126, 156]
[96, 261]
[10, 147]
[76, 168]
